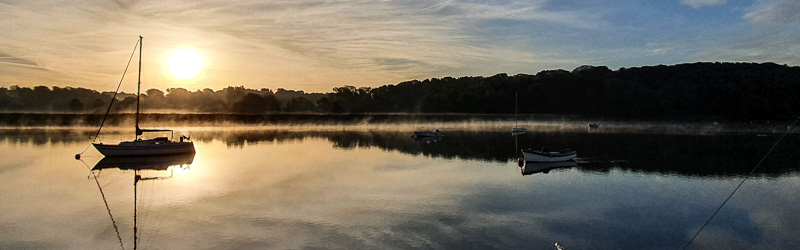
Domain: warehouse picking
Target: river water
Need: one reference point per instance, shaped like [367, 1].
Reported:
[253, 187]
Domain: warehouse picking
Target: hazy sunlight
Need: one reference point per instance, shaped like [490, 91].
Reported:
[185, 64]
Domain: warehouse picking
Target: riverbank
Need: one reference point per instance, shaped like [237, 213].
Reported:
[400, 122]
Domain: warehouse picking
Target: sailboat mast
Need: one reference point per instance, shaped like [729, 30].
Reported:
[138, 88]
[516, 100]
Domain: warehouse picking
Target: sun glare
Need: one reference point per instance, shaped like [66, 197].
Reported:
[185, 64]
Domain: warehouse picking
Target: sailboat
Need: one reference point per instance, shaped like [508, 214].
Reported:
[144, 147]
[517, 130]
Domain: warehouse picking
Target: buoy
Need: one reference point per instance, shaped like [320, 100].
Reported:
[77, 156]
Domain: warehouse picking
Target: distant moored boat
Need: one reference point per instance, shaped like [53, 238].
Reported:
[428, 133]
[548, 156]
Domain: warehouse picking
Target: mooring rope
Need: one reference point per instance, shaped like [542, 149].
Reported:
[84, 150]
[109, 211]
[742, 182]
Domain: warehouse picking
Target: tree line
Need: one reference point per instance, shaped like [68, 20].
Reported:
[733, 90]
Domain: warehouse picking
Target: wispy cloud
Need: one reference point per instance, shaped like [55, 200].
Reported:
[317, 44]
[6, 58]
[305, 43]
[660, 48]
[703, 3]
[367, 39]
[770, 34]
[766, 46]
[775, 12]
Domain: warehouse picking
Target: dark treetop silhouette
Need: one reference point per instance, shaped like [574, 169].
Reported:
[731, 90]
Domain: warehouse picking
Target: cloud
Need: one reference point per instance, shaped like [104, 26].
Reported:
[775, 12]
[304, 44]
[765, 46]
[660, 48]
[703, 3]
[388, 40]
[6, 58]
[769, 35]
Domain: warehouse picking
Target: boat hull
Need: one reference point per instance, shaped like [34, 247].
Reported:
[141, 149]
[539, 156]
[427, 134]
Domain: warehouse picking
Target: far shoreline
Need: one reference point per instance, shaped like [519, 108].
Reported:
[707, 125]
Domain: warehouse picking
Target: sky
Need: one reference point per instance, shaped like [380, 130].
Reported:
[315, 45]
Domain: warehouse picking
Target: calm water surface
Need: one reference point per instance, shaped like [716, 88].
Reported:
[264, 188]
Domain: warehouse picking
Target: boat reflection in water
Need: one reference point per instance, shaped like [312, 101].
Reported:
[162, 162]
[544, 167]
[427, 139]
[137, 164]
[427, 133]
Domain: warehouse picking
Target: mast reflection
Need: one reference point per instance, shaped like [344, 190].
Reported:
[138, 164]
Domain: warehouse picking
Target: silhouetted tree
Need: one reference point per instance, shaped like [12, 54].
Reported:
[75, 105]
[155, 98]
[731, 90]
[324, 105]
[98, 105]
[271, 103]
[299, 104]
[250, 104]
[256, 104]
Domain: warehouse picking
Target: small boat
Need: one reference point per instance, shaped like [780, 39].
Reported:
[139, 146]
[428, 133]
[548, 156]
[594, 125]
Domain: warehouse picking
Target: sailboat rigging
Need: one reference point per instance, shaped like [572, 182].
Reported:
[139, 146]
[517, 130]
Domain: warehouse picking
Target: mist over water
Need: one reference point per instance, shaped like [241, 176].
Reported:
[390, 122]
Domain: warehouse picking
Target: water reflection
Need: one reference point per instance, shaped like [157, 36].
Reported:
[161, 163]
[545, 167]
[138, 164]
[695, 155]
[426, 139]
[381, 190]
[43, 136]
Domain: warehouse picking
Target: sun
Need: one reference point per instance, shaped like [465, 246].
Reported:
[185, 64]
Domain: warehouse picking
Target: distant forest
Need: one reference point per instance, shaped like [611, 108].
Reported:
[731, 90]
